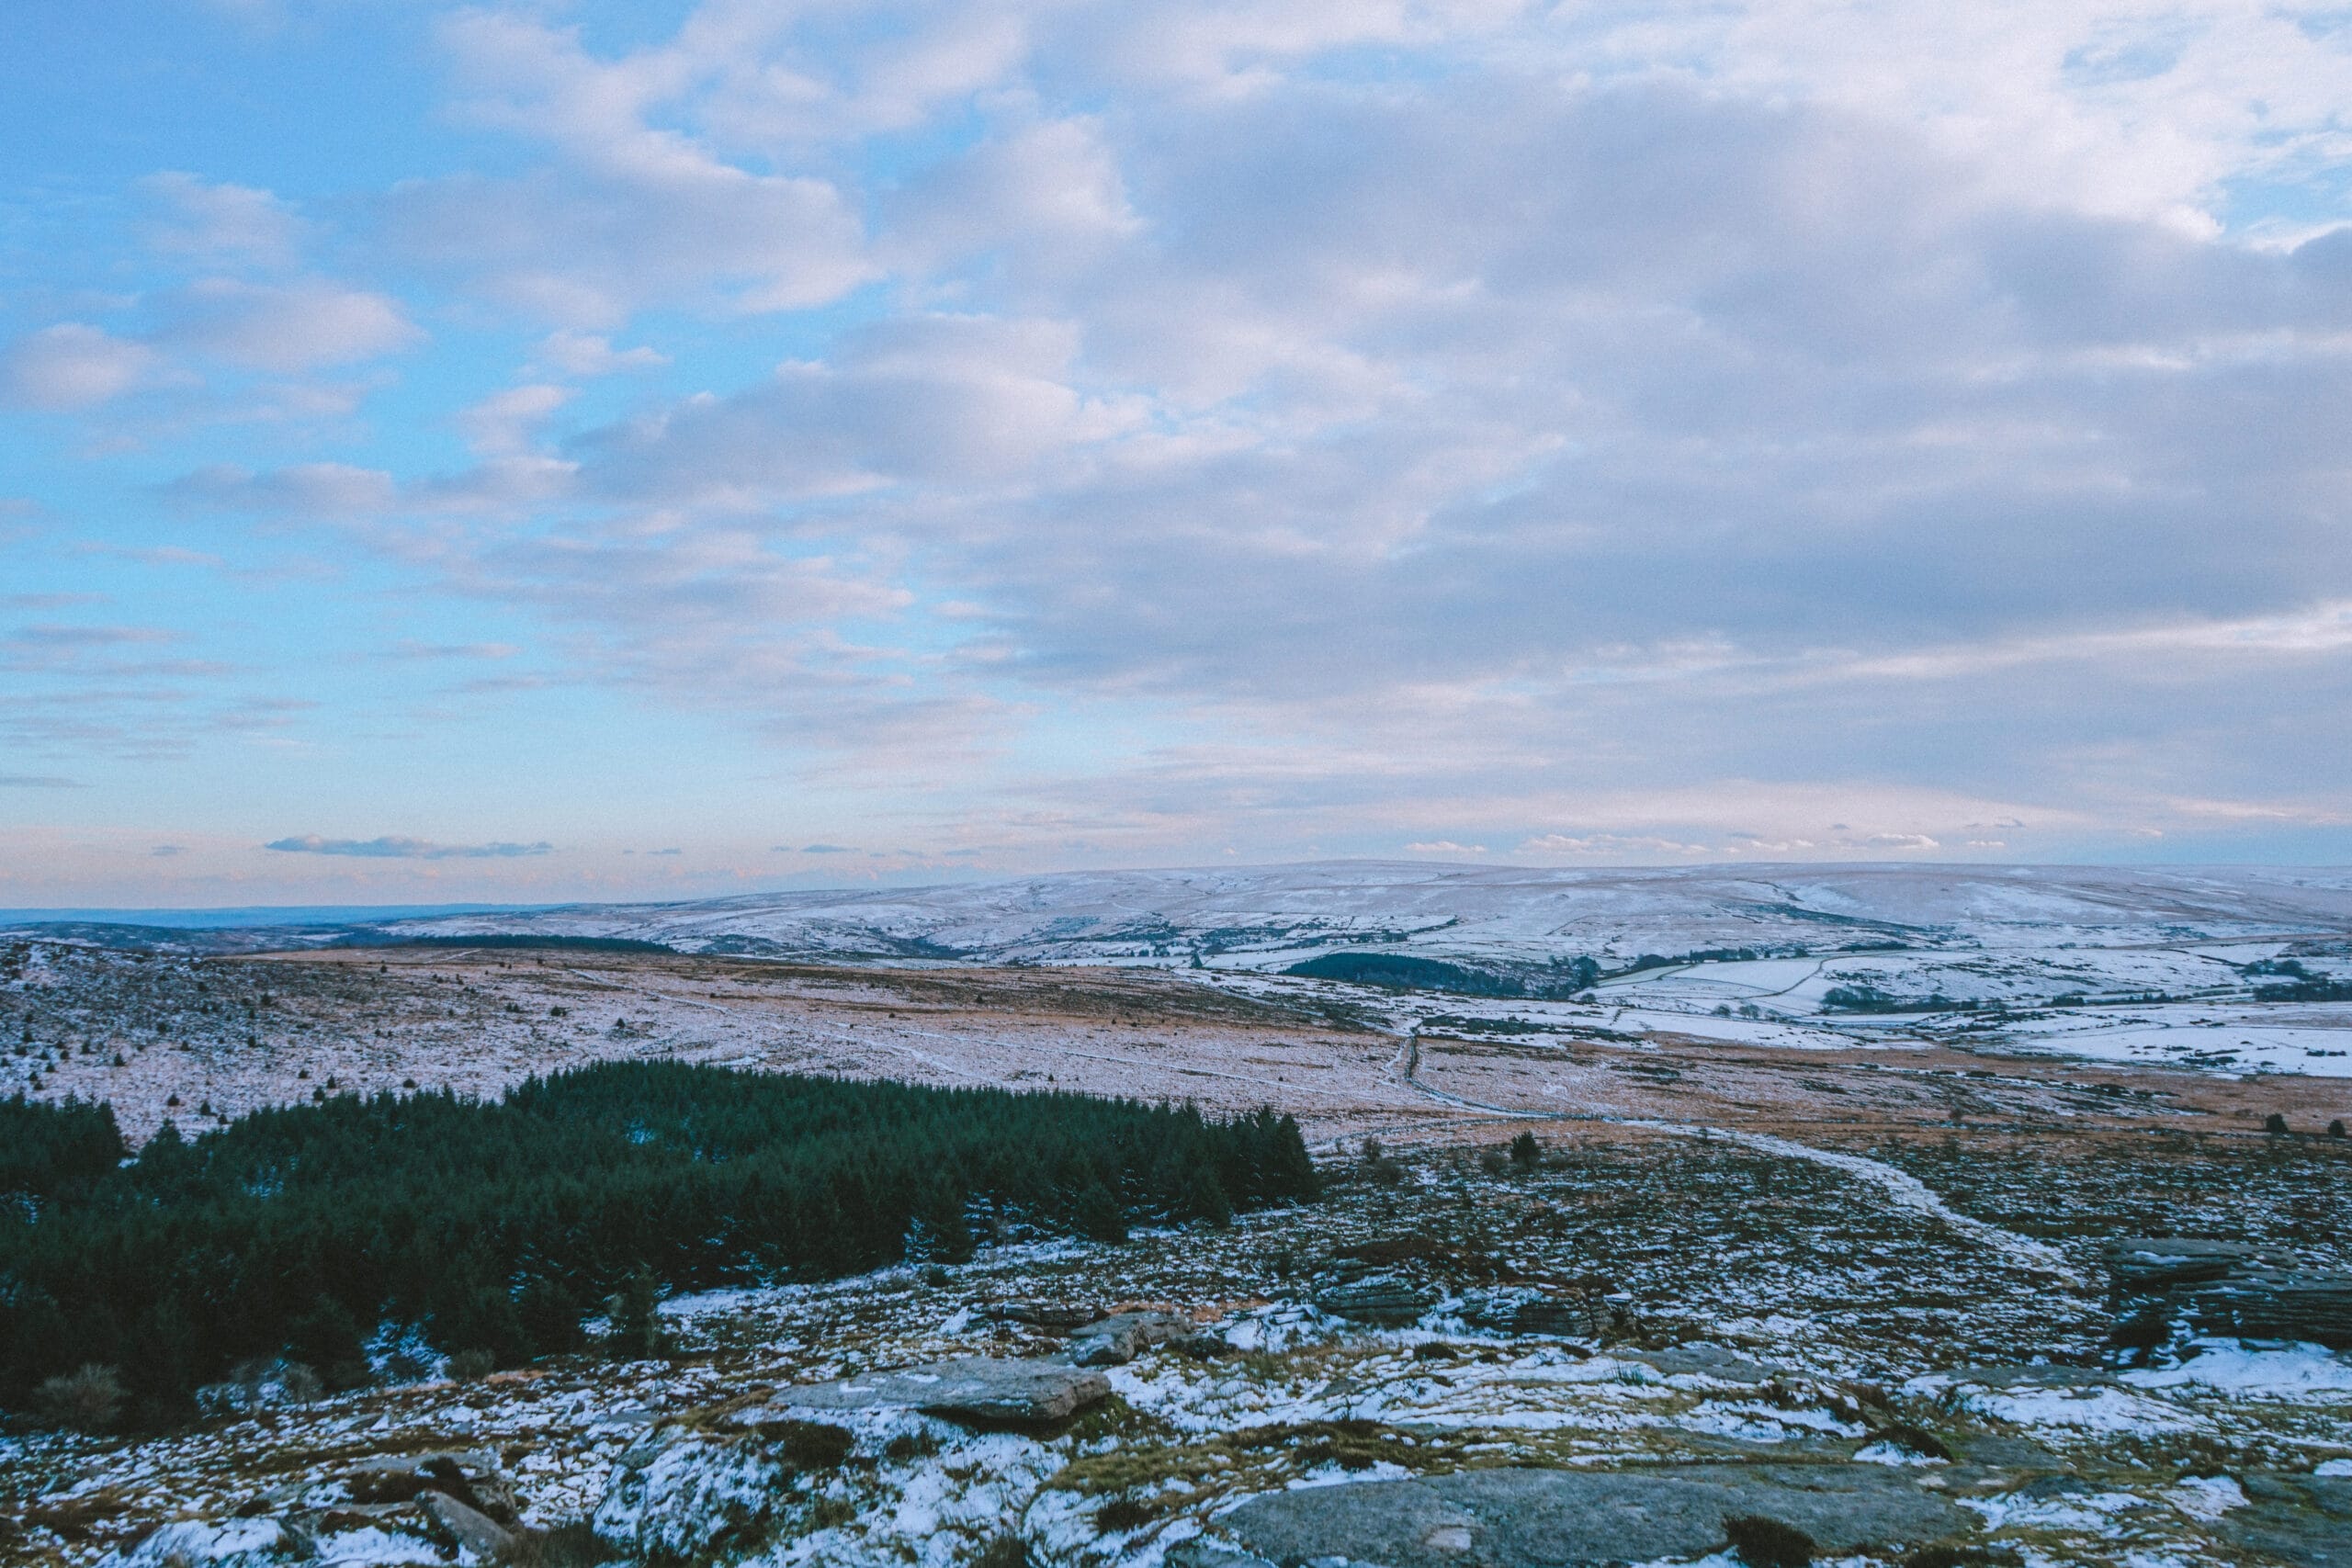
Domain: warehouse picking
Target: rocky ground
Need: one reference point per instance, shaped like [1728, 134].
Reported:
[1866, 1294]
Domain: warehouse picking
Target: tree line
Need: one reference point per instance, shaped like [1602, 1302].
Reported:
[494, 1227]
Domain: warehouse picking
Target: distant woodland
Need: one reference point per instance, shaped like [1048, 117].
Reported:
[493, 1228]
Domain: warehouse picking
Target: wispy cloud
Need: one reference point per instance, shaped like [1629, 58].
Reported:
[392, 848]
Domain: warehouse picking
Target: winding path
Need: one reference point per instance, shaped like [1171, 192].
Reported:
[1906, 1191]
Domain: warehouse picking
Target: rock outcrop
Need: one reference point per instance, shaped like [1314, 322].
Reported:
[1528, 1312]
[1114, 1341]
[2230, 1288]
[1552, 1518]
[417, 1507]
[1383, 1301]
[979, 1387]
[2301, 1520]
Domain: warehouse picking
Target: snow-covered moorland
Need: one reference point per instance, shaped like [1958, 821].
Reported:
[1944, 1217]
[1781, 1335]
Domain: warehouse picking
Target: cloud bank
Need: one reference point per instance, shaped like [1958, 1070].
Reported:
[1082, 432]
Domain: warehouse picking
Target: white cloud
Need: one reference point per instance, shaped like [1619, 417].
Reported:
[504, 424]
[318, 490]
[289, 327]
[220, 223]
[940, 399]
[585, 354]
[632, 213]
[73, 365]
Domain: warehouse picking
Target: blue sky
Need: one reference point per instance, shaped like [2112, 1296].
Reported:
[533, 451]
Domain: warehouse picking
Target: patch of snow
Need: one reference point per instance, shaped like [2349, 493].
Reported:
[2108, 1410]
[2081, 1510]
[1892, 1453]
[2207, 1497]
[368, 1547]
[2299, 1372]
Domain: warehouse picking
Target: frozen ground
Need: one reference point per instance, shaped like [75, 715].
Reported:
[1771, 1225]
[1748, 1305]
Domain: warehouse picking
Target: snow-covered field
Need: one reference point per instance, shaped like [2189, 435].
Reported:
[1267, 917]
[2115, 963]
[1773, 1227]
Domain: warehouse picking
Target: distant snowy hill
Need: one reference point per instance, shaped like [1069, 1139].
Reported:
[1267, 917]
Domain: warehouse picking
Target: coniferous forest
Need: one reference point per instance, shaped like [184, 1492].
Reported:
[495, 1227]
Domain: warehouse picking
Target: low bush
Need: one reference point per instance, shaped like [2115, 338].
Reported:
[1762, 1542]
[88, 1400]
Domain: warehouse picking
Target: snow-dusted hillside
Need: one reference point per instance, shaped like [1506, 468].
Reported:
[1267, 917]
[2191, 966]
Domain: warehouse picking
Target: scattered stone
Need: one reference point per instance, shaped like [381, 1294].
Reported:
[474, 1530]
[216, 1543]
[1551, 1518]
[1060, 1317]
[982, 1387]
[1391, 1282]
[1115, 1341]
[470, 1478]
[425, 1508]
[692, 1498]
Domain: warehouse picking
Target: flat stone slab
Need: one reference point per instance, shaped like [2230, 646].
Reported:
[985, 1387]
[2301, 1520]
[1556, 1518]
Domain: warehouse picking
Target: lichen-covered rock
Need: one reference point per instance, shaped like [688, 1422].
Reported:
[1526, 1311]
[692, 1497]
[2141, 1265]
[213, 1543]
[2275, 1305]
[2301, 1520]
[1114, 1341]
[472, 1529]
[1551, 1518]
[981, 1387]
[1385, 1302]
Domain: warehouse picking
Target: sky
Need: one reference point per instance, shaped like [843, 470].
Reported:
[538, 451]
